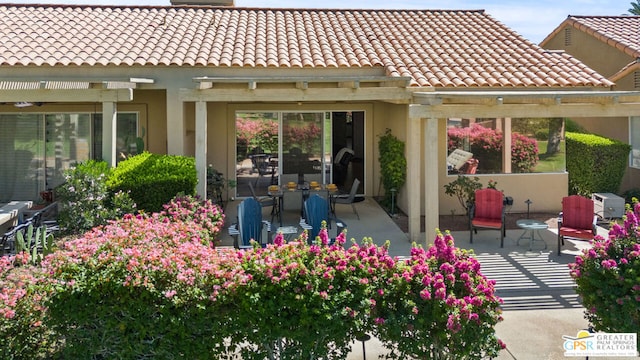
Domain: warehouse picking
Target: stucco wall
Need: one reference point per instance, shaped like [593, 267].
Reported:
[606, 60]
[596, 54]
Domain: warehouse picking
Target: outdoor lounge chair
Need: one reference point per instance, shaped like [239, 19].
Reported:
[576, 220]
[316, 210]
[487, 213]
[457, 159]
[250, 225]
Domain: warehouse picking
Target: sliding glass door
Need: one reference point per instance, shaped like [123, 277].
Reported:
[303, 146]
[279, 147]
[37, 148]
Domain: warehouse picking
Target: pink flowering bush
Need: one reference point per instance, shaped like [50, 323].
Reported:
[608, 277]
[438, 305]
[191, 209]
[136, 288]
[306, 137]
[22, 332]
[306, 301]
[151, 286]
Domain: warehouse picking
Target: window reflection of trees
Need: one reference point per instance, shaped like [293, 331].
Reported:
[537, 145]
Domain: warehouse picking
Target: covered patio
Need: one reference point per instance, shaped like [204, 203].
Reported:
[426, 142]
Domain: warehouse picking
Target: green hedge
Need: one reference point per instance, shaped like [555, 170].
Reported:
[153, 180]
[595, 163]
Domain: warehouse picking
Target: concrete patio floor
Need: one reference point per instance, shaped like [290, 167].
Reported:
[540, 304]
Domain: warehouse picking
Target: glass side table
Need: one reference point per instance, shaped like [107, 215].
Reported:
[531, 226]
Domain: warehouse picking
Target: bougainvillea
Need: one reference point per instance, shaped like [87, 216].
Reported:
[22, 332]
[191, 209]
[438, 305]
[148, 286]
[306, 137]
[608, 277]
[136, 287]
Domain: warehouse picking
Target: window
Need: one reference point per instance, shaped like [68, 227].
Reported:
[36, 148]
[476, 146]
[128, 139]
[634, 141]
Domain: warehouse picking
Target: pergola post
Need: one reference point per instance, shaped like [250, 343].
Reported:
[109, 126]
[413, 176]
[201, 148]
[431, 176]
[175, 123]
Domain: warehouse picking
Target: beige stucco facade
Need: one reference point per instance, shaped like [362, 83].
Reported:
[177, 107]
[608, 60]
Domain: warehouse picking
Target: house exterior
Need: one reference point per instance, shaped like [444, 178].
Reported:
[609, 45]
[79, 82]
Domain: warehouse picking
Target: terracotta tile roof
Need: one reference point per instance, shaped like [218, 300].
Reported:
[622, 32]
[439, 48]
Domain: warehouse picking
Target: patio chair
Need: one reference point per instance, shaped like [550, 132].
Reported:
[250, 225]
[470, 166]
[350, 198]
[577, 219]
[316, 210]
[266, 201]
[262, 163]
[8, 242]
[487, 213]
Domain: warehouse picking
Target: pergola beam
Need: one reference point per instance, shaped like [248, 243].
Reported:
[67, 95]
[397, 95]
[529, 110]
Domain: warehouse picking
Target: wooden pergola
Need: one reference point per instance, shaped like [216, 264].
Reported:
[428, 107]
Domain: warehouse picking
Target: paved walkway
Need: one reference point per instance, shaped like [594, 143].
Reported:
[540, 305]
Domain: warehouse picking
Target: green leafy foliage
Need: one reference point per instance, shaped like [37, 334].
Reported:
[595, 164]
[152, 179]
[608, 277]
[464, 189]
[85, 200]
[393, 164]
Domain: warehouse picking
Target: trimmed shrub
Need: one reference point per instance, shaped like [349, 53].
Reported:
[595, 163]
[152, 179]
[147, 286]
[542, 134]
[85, 200]
[137, 288]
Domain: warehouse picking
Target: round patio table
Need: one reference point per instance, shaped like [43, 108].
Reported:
[531, 226]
